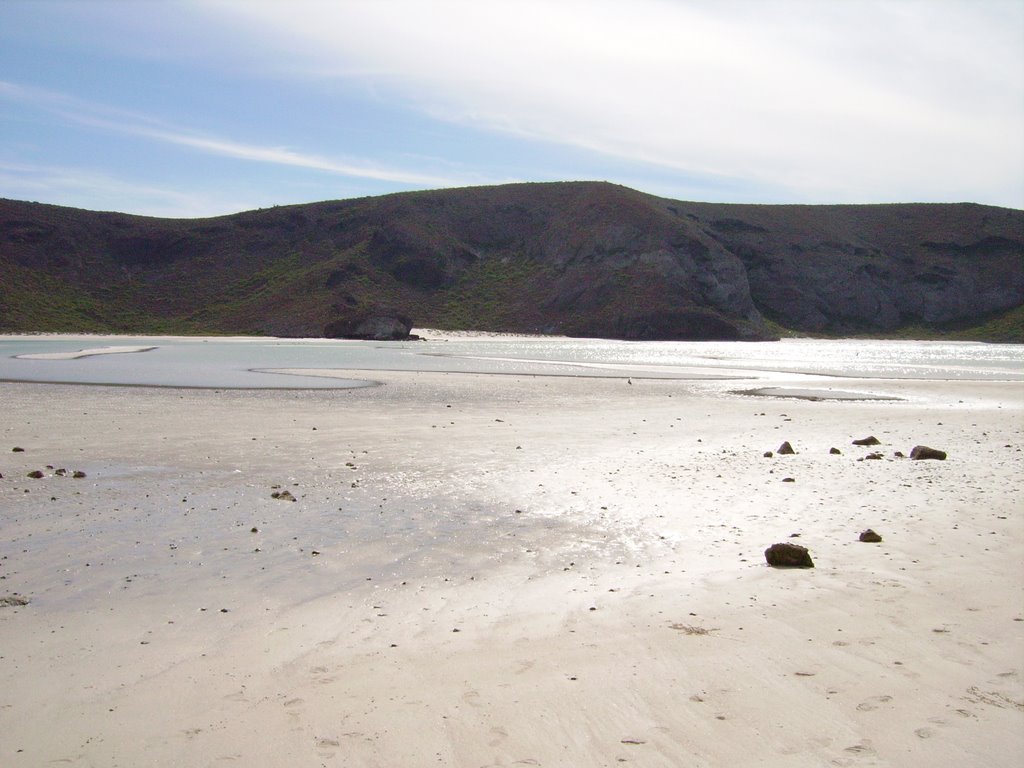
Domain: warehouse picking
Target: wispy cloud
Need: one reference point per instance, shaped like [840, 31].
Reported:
[849, 99]
[106, 118]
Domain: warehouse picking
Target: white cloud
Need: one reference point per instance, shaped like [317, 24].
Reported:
[840, 100]
[106, 118]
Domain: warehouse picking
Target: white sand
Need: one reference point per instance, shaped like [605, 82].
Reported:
[650, 503]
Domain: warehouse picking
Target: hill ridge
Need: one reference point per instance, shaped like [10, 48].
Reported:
[576, 258]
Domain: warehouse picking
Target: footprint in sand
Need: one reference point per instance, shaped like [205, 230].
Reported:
[499, 735]
[327, 747]
[294, 709]
[873, 703]
[472, 698]
[523, 665]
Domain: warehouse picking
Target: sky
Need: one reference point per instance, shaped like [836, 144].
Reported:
[188, 108]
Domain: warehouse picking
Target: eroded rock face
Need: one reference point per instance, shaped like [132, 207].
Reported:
[373, 328]
[787, 555]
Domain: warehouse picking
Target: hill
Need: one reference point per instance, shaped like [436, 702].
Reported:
[575, 258]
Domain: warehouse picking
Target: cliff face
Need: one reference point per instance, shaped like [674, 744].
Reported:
[572, 258]
[876, 268]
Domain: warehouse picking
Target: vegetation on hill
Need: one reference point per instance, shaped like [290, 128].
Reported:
[574, 258]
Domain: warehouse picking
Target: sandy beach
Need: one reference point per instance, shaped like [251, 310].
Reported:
[483, 570]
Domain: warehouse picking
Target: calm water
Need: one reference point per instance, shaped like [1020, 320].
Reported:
[247, 363]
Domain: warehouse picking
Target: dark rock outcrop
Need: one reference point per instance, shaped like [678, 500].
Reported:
[787, 555]
[372, 328]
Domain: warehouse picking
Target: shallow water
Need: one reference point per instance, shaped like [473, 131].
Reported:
[239, 363]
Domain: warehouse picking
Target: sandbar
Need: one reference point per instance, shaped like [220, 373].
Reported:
[84, 353]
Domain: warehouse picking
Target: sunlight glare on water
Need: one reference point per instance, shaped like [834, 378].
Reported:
[254, 362]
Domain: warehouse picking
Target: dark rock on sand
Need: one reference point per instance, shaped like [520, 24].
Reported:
[78, 474]
[869, 440]
[835, 452]
[786, 555]
[13, 601]
[786, 449]
[35, 474]
[768, 454]
[873, 456]
[924, 452]
[17, 449]
[282, 495]
[870, 537]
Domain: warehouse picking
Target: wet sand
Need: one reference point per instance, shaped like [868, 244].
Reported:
[501, 570]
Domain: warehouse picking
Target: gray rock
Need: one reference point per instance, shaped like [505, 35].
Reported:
[786, 555]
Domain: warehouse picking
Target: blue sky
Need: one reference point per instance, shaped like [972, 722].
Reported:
[204, 107]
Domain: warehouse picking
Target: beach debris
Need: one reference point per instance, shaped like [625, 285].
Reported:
[786, 449]
[835, 452]
[869, 440]
[692, 629]
[17, 449]
[282, 495]
[768, 454]
[870, 537]
[633, 741]
[786, 555]
[920, 452]
[35, 474]
[13, 601]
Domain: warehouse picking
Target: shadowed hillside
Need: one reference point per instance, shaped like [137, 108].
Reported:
[576, 258]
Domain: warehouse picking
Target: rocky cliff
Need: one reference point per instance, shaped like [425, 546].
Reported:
[572, 258]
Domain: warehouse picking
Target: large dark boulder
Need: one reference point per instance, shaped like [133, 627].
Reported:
[924, 452]
[786, 555]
